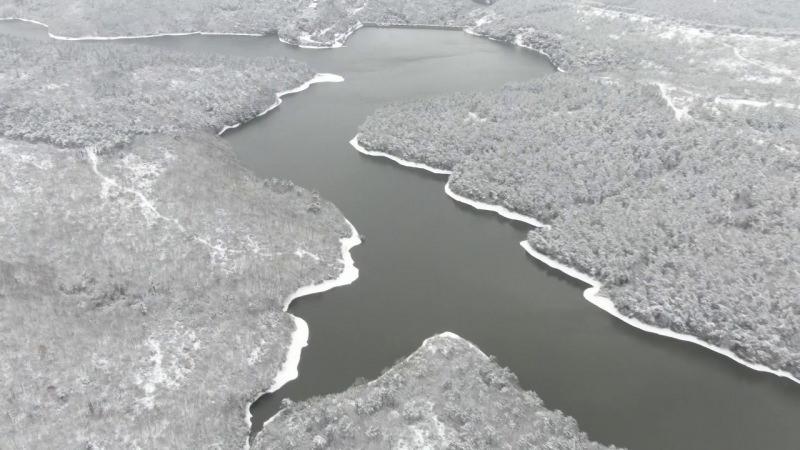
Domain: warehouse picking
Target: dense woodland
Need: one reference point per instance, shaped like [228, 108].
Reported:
[691, 224]
[665, 164]
[143, 275]
[465, 402]
[75, 95]
[700, 59]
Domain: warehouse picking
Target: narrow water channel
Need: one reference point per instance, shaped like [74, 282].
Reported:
[429, 264]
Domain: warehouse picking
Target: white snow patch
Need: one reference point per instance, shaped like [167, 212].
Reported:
[473, 117]
[488, 18]
[302, 253]
[309, 41]
[161, 374]
[736, 103]
[288, 370]
[680, 113]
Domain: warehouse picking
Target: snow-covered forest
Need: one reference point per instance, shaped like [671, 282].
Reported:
[143, 275]
[691, 224]
[76, 95]
[467, 401]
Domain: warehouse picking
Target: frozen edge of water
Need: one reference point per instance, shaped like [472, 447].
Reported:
[121, 38]
[354, 142]
[289, 370]
[516, 42]
[318, 78]
[304, 41]
[299, 338]
[591, 294]
[501, 210]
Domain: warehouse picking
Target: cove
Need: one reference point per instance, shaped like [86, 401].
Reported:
[429, 264]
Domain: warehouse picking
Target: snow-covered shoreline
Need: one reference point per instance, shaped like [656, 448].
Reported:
[354, 142]
[303, 41]
[517, 42]
[591, 294]
[122, 38]
[299, 340]
[503, 211]
[349, 273]
[318, 78]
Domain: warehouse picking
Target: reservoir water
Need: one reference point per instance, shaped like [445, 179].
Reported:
[429, 264]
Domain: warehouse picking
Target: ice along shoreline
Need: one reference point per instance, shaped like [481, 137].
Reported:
[289, 370]
[349, 273]
[591, 294]
[318, 78]
[304, 41]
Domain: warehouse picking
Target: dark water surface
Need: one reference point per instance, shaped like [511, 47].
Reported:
[429, 264]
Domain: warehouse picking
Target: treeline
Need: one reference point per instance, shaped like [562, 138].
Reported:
[171, 250]
[692, 225]
[75, 95]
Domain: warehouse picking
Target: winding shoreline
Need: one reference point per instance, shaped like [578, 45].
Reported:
[339, 40]
[289, 370]
[354, 142]
[131, 37]
[517, 42]
[591, 294]
[300, 335]
[501, 210]
[318, 78]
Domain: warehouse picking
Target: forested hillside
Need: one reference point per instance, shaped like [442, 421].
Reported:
[76, 95]
[691, 225]
[466, 401]
[143, 270]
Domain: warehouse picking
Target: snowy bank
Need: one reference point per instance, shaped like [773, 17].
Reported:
[318, 78]
[354, 142]
[501, 210]
[592, 293]
[121, 38]
[518, 41]
[305, 41]
[299, 340]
